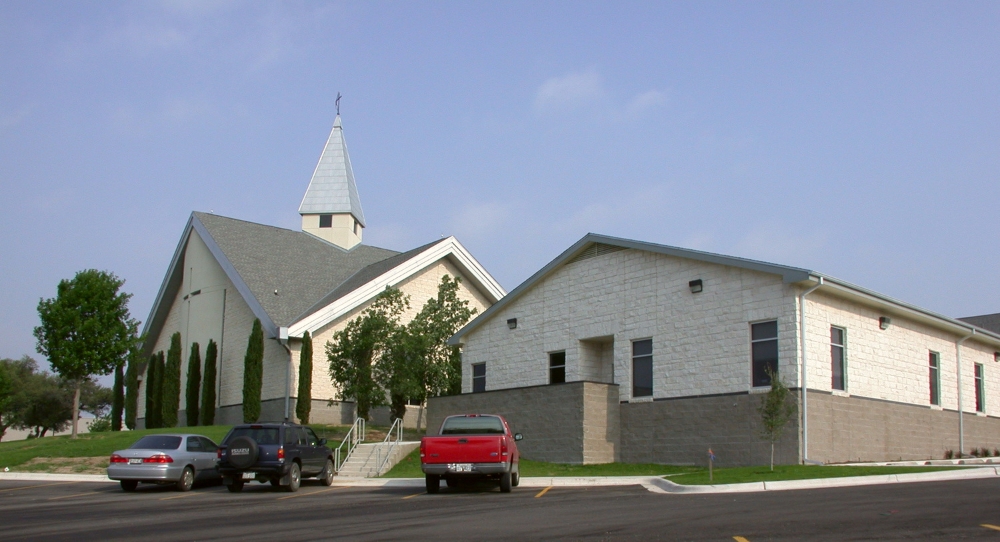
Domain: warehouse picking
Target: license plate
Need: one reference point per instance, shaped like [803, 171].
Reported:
[249, 475]
[135, 461]
[460, 467]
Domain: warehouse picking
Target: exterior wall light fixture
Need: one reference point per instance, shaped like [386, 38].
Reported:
[695, 286]
[883, 322]
[512, 323]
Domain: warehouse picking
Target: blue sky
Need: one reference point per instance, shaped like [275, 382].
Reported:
[859, 139]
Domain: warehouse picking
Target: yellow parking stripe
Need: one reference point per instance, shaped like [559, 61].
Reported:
[312, 492]
[543, 492]
[740, 539]
[988, 526]
[414, 495]
[71, 496]
[32, 487]
[181, 496]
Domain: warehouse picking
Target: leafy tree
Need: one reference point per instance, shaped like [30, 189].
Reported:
[51, 407]
[15, 382]
[7, 388]
[171, 383]
[132, 387]
[193, 384]
[253, 373]
[86, 329]
[208, 388]
[118, 400]
[303, 405]
[95, 398]
[354, 350]
[776, 410]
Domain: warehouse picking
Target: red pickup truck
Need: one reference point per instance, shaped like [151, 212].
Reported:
[471, 447]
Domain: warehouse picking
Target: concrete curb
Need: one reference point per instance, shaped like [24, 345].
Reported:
[46, 477]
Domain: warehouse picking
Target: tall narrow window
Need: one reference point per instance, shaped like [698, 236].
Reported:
[642, 368]
[838, 360]
[326, 221]
[935, 378]
[355, 227]
[478, 377]
[764, 350]
[980, 389]
[557, 367]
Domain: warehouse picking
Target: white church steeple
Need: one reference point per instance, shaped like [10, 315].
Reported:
[331, 207]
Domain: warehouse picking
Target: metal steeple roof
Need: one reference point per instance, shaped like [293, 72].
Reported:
[332, 188]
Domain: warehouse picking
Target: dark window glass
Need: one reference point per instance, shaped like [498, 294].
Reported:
[764, 351]
[326, 221]
[194, 444]
[837, 357]
[311, 438]
[557, 367]
[935, 378]
[292, 436]
[355, 227]
[158, 442]
[478, 377]
[263, 435]
[642, 368]
[207, 445]
[473, 425]
[980, 391]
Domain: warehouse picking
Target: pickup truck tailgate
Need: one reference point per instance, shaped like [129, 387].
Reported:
[464, 449]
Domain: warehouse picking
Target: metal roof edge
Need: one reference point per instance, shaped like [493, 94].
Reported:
[152, 321]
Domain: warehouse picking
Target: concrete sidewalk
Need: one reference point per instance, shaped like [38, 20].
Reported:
[654, 484]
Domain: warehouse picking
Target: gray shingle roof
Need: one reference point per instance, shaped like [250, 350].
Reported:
[332, 188]
[989, 322]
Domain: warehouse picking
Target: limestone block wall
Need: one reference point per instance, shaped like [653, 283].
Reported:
[552, 419]
[701, 342]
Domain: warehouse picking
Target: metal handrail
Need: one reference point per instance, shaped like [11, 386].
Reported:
[354, 437]
[397, 427]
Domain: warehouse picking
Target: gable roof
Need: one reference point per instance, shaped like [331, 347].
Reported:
[593, 243]
[332, 188]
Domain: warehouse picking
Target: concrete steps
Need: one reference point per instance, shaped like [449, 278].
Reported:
[362, 463]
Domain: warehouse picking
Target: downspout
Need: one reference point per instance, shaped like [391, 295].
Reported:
[802, 371]
[958, 377]
[283, 341]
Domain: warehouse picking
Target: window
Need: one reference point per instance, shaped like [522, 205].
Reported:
[980, 389]
[355, 227]
[642, 368]
[764, 350]
[557, 367]
[935, 378]
[838, 341]
[326, 221]
[478, 377]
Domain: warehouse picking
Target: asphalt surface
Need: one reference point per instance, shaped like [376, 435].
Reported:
[967, 509]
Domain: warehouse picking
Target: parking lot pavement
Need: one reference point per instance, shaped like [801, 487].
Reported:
[95, 511]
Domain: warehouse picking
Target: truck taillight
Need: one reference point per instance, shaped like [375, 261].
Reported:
[218, 453]
[281, 452]
[115, 458]
[421, 449]
[159, 458]
[503, 446]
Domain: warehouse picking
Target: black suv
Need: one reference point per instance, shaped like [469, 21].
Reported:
[279, 453]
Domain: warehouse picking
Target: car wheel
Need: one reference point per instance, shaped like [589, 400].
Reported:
[236, 486]
[294, 478]
[433, 483]
[515, 478]
[505, 482]
[326, 477]
[129, 485]
[187, 480]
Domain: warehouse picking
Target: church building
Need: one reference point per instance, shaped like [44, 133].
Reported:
[226, 272]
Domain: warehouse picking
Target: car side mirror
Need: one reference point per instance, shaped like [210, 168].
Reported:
[518, 436]
[322, 442]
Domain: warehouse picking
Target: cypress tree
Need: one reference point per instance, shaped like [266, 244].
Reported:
[118, 398]
[193, 385]
[172, 383]
[131, 392]
[151, 389]
[253, 373]
[208, 388]
[303, 405]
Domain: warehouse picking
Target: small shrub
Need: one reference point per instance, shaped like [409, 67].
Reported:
[996, 452]
[984, 452]
[948, 454]
[101, 425]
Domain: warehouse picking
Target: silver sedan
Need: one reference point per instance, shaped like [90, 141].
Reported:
[165, 459]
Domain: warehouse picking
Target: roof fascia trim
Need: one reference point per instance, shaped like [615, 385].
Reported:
[164, 286]
[234, 277]
[451, 247]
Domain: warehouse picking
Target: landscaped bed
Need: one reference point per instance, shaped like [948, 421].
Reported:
[740, 475]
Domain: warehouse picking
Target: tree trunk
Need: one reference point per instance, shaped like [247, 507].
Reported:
[772, 456]
[76, 407]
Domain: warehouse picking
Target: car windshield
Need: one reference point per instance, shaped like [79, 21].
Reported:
[263, 435]
[158, 442]
[478, 425]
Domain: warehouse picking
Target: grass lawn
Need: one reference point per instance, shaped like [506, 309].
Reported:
[763, 473]
[409, 467]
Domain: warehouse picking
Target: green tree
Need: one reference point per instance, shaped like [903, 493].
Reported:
[193, 391]
[303, 405]
[49, 404]
[95, 398]
[776, 410]
[152, 406]
[132, 386]
[171, 383]
[161, 367]
[253, 373]
[355, 350]
[86, 329]
[208, 388]
[15, 382]
[118, 402]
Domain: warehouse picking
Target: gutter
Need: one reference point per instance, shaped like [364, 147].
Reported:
[803, 371]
